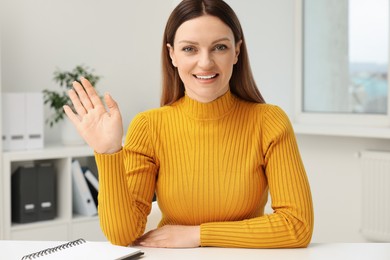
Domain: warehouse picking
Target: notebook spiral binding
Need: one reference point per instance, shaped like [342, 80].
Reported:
[51, 250]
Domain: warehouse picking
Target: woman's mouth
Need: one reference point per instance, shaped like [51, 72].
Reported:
[206, 77]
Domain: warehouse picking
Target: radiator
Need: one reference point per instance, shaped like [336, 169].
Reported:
[375, 167]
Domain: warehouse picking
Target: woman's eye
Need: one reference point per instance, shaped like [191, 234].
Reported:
[188, 49]
[220, 47]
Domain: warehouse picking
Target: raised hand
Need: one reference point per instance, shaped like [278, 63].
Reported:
[101, 129]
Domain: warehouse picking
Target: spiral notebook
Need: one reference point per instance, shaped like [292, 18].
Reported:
[82, 249]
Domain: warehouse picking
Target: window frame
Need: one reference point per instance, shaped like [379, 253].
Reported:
[323, 118]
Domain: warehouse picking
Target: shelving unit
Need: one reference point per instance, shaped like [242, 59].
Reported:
[66, 225]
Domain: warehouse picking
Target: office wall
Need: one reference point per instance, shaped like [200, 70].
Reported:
[1, 133]
[335, 177]
[121, 40]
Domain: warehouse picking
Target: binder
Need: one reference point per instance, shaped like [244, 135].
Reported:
[34, 120]
[24, 195]
[83, 202]
[91, 178]
[93, 184]
[5, 128]
[14, 119]
[23, 121]
[47, 203]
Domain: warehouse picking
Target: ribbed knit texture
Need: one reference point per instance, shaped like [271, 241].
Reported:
[212, 165]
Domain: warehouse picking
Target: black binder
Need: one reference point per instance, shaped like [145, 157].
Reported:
[24, 191]
[33, 192]
[46, 191]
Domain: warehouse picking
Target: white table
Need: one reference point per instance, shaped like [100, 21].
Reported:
[11, 250]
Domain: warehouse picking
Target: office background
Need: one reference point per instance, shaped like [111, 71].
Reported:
[121, 40]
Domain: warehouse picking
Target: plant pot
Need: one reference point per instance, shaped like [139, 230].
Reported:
[69, 134]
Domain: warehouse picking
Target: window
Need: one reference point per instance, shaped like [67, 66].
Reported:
[343, 61]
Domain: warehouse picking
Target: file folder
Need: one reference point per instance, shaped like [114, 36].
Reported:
[47, 203]
[14, 121]
[93, 184]
[34, 120]
[23, 120]
[83, 202]
[24, 185]
[5, 128]
[91, 178]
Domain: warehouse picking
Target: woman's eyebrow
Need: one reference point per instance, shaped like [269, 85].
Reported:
[195, 43]
[221, 40]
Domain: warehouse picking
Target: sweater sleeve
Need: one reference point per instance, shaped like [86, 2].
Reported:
[291, 223]
[126, 185]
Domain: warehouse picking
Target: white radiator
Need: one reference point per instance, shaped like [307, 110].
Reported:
[376, 195]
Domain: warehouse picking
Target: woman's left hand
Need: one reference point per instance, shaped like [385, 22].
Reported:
[172, 236]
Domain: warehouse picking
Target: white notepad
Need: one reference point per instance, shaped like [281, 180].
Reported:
[81, 249]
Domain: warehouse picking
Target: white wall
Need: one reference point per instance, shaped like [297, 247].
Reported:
[335, 178]
[1, 133]
[1, 136]
[269, 30]
[121, 40]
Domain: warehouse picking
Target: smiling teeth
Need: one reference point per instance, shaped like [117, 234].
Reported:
[206, 77]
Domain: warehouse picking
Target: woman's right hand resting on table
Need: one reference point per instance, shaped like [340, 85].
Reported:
[101, 129]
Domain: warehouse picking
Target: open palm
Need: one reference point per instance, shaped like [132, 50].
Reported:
[101, 128]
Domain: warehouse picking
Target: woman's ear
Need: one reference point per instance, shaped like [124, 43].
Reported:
[171, 54]
[238, 47]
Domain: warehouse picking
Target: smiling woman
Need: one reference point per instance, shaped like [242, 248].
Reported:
[211, 153]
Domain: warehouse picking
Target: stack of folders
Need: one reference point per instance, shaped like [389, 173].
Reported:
[85, 187]
[33, 193]
[23, 120]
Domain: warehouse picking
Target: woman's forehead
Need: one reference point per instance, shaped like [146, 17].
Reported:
[205, 27]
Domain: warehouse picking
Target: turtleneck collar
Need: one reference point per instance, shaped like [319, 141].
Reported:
[207, 111]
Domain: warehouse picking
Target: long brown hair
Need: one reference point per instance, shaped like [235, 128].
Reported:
[242, 83]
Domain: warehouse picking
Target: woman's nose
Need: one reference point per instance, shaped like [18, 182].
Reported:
[205, 60]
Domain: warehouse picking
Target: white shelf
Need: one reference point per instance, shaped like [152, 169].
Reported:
[66, 225]
[79, 219]
[52, 151]
[342, 131]
[38, 224]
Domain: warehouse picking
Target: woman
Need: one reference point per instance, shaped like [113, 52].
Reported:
[211, 152]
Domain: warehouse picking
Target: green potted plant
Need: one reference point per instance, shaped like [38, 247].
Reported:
[57, 99]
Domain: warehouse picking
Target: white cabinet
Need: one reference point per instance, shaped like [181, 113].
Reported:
[66, 225]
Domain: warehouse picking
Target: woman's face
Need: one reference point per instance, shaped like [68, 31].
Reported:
[204, 53]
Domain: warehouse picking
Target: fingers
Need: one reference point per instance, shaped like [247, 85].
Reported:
[159, 237]
[84, 97]
[82, 94]
[172, 236]
[92, 94]
[72, 116]
[77, 103]
[112, 105]
[147, 238]
[155, 241]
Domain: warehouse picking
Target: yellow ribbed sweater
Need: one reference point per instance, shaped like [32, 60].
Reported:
[211, 165]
